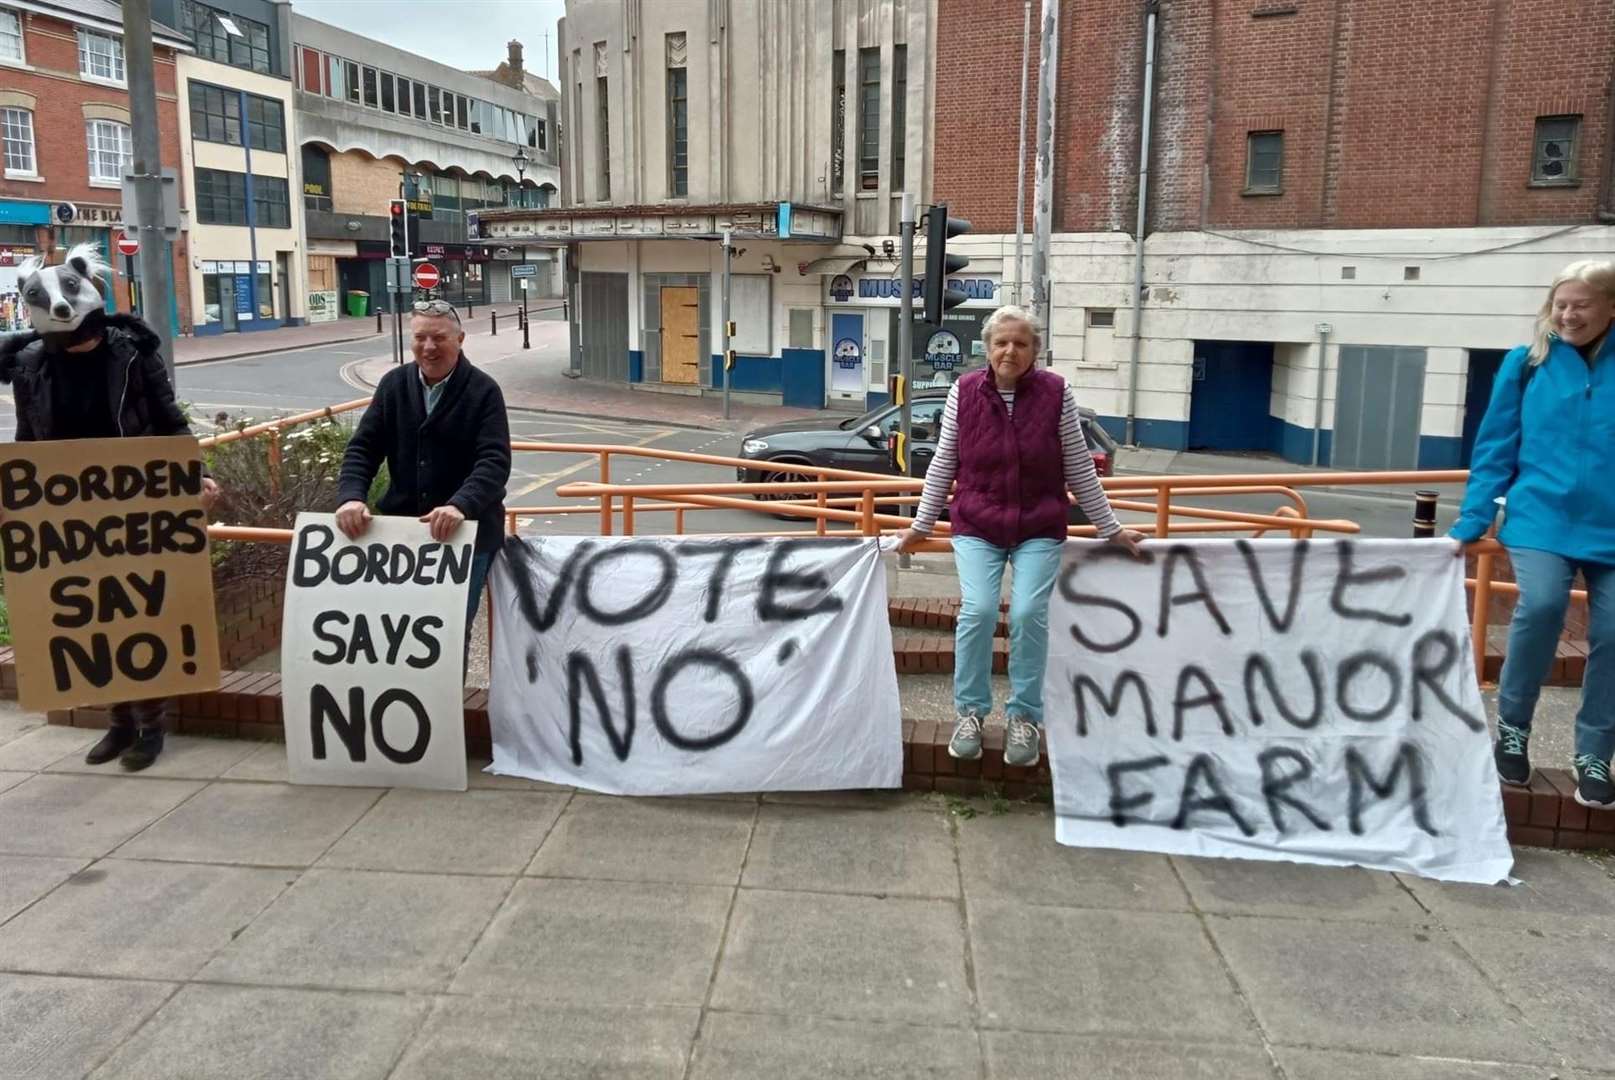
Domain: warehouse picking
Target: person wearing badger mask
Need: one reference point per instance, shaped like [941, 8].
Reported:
[83, 374]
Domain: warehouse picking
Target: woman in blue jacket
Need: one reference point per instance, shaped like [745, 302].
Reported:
[1548, 443]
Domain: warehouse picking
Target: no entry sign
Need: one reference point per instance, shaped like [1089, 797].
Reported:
[128, 245]
[426, 276]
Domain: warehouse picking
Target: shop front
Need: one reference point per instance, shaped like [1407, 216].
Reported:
[862, 311]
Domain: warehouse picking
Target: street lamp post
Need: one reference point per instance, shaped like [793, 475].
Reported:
[521, 161]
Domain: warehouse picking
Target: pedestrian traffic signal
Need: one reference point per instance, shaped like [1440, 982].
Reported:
[398, 225]
[939, 264]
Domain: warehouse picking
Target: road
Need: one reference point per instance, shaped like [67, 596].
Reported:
[280, 383]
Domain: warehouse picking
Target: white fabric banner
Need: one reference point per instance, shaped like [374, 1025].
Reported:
[372, 653]
[665, 666]
[1273, 699]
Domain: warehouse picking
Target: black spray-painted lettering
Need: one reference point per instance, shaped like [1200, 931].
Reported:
[1276, 786]
[1257, 664]
[1202, 773]
[643, 607]
[1347, 577]
[1354, 666]
[1069, 591]
[580, 672]
[1120, 802]
[524, 572]
[1433, 656]
[1180, 555]
[725, 550]
[778, 580]
[1209, 695]
[700, 658]
[1360, 777]
[1298, 559]
[1111, 703]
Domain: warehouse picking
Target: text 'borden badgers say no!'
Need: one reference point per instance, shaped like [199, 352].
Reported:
[108, 578]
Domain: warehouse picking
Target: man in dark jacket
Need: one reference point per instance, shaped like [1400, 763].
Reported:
[440, 425]
[103, 379]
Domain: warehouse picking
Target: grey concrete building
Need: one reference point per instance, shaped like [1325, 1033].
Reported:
[376, 123]
[795, 125]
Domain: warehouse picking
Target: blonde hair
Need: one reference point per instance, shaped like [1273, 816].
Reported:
[1599, 273]
[1007, 314]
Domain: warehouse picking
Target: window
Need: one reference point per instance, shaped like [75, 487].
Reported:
[420, 101]
[678, 132]
[1264, 163]
[316, 178]
[602, 100]
[838, 119]
[404, 98]
[461, 114]
[537, 137]
[868, 119]
[1101, 318]
[369, 77]
[899, 111]
[226, 37]
[221, 197]
[336, 77]
[271, 209]
[388, 103]
[350, 80]
[310, 70]
[17, 133]
[215, 114]
[1555, 158]
[434, 104]
[10, 36]
[110, 150]
[100, 56]
[266, 124]
[750, 307]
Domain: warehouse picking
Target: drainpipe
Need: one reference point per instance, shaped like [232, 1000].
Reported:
[1151, 9]
[1043, 192]
[1020, 170]
[1317, 405]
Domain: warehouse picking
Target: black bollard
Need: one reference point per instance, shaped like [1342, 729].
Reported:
[1424, 514]
[493, 323]
[378, 320]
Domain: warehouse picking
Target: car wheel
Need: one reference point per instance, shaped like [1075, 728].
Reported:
[784, 481]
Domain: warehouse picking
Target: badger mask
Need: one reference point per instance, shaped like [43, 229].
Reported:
[64, 302]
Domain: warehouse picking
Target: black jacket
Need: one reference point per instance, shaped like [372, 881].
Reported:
[459, 456]
[137, 383]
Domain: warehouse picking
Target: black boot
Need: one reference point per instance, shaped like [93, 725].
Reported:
[119, 737]
[147, 744]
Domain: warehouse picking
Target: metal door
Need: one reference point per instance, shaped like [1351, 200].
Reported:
[283, 267]
[1231, 395]
[1483, 365]
[603, 325]
[499, 282]
[1379, 395]
[681, 334]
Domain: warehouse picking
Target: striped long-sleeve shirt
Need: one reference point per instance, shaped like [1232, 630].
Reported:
[1081, 479]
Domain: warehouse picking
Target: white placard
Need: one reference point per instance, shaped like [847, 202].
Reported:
[372, 655]
[663, 666]
[1273, 699]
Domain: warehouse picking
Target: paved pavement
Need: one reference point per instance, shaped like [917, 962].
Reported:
[206, 920]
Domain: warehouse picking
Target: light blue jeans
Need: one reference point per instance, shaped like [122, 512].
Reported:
[981, 577]
[1533, 637]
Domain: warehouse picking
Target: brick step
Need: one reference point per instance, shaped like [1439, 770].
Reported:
[1569, 662]
[932, 654]
[934, 613]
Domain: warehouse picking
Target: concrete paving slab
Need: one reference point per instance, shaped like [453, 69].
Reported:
[184, 757]
[492, 1039]
[737, 1046]
[857, 851]
[52, 1027]
[83, 815]
[480, 780]
[449, 832]
[1020, 1055]
[1342, 1065]
[12, 779]
[363, 931]
[24, 879]
[264, 761]
[1102, 973]
[248, 1033]
[1559, 983]
[138, 920]
[16, 721]
[45, 746]
[1295, 891]
[846, 957]
[600, 943]
[254, 825]
[1014, 857]
[923, 801]
[690, 841]
[1390, 989]
[1561, 892]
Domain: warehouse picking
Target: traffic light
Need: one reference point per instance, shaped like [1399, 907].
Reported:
[896, 445]
[939, 264]
[398, 225]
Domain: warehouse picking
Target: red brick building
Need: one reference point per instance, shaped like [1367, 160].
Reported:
[65, 136]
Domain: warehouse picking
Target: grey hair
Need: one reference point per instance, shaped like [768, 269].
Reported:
[1011, 313]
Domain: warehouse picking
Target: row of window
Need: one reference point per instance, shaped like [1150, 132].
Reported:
[868, 140]
[216, 116]
[360, 84]
[222, 198]
[107, 142]
[1553, 156]
[226, 37]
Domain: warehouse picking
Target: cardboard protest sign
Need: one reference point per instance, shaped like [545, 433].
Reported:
[1273, 699]
[372, 646]
[108, 580]
[662, 666]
